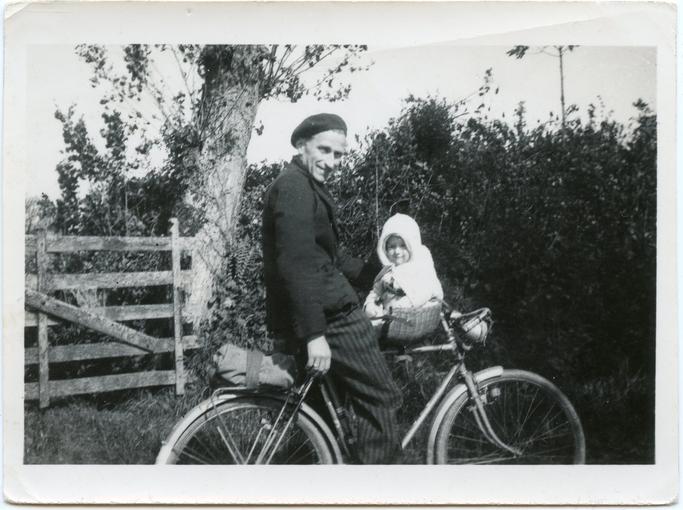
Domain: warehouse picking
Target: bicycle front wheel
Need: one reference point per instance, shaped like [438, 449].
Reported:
[234, 432]
[526, 412]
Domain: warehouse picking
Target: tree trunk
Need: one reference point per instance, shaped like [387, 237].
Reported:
[225, 123]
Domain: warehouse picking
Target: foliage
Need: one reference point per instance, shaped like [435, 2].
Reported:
[39, 213]
[278, 69]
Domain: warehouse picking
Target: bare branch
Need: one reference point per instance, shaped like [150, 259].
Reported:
[182, 72]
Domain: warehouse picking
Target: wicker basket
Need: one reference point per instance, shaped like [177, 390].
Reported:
[409, 324]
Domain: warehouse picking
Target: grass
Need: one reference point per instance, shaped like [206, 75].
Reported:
[617, 414]
[117, 429]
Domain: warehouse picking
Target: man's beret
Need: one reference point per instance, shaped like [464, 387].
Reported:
[315, 124]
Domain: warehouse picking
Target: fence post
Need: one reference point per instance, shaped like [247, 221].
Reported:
[43, 345]
[177, 309]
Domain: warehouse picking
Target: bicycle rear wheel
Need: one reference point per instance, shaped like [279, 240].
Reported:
[526, 411]
[233, 432]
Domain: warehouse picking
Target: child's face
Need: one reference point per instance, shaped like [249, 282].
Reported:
[397, 253]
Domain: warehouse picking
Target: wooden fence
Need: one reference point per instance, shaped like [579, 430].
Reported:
[44, 311]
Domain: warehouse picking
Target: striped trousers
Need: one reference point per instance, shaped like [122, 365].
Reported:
[360, 371]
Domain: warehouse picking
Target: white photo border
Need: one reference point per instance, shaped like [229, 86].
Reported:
[398, 24]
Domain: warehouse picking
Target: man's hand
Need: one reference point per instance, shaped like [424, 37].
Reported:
[319, 354]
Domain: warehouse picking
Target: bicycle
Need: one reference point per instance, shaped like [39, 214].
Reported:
[493, 416]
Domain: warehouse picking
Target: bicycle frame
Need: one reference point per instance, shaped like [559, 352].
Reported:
[457, 371]
[293, 400]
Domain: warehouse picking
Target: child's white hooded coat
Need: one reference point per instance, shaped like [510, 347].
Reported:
[416, 278]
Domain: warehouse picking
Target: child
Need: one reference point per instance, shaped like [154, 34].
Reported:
[408, 279]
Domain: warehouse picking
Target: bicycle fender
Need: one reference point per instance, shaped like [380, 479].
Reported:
[449, 399]
[204, 406]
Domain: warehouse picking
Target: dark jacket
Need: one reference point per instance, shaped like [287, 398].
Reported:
[306, 274]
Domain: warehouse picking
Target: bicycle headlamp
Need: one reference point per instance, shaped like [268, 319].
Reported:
[473, 326]
[477, 333]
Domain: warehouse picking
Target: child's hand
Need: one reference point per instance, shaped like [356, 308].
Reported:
[373, 310]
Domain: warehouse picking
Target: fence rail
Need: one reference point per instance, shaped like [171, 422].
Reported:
[44, 311]
[101, 350]
[85, 385]
[69, 244]
[66, 281]
[117, 313]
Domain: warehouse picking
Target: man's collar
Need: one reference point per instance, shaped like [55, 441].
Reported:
[296, 161]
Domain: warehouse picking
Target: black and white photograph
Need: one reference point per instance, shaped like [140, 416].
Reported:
[391, 253]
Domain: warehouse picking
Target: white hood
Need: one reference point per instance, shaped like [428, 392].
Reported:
[406, 228]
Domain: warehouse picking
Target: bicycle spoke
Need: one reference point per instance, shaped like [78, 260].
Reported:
[468, 420]
[186, 453]
[517, 407]
[549, 433]
[529, 412]
[494, 419]
[194, 455]
[471, 439]
[494, 460]
[505, 402]
[549, 454]
[291, 455]
[208, 448]
[545, 421]
[231, 446]
[490, 458]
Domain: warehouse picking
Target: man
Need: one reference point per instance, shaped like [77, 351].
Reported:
[309, 299]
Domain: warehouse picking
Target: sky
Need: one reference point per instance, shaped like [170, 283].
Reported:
[612, 76]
